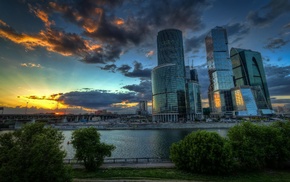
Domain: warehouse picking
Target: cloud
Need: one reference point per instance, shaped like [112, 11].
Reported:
[30, 65]
[287, 26]
[269, 12]
[124, 68]
[278, 79]
[149, 54]
[53, 97]
[139, 72]
[143, 90]
[275, 43]
[109, 67]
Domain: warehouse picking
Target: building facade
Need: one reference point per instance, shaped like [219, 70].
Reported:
[248, 70]
[194, 104]
[143, 108]
[220, 72]
[168, 78]
[244, 103]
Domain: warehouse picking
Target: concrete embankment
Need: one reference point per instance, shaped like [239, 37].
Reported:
[147, 126]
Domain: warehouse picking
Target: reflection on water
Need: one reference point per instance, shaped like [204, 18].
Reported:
[139, 143]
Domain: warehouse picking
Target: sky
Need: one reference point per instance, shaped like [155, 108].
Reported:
[80, 56]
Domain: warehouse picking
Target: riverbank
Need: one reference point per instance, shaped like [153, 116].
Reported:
[149, 126]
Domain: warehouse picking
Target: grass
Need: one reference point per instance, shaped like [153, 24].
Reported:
[174, 174]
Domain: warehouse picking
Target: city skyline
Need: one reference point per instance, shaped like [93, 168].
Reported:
[83, 55]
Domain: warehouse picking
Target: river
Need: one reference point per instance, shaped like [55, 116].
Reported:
[138, 143]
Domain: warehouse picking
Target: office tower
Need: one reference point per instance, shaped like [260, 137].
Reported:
[220, 72]
[168, 78]
[244, 103]
[248, 70]
[143, 108]
[194, 104]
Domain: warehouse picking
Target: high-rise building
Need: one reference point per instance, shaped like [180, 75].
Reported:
[244, 103]
[220, 72]
[194, 104]
[248, 70]
[143, 108]
[168, 78]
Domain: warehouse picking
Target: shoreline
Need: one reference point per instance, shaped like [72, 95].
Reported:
[146, 126]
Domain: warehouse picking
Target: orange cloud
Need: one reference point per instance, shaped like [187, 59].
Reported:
[119, 21]
[66, 44]
[31, 65]
[43, 16]
[149, 54]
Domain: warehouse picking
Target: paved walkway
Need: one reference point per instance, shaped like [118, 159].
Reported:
[131, 165]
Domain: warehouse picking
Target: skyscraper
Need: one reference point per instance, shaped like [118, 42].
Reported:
[248, 70]
[168, 78]
[220, 72]
[194, 104]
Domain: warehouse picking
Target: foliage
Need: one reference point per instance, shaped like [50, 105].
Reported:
[89, 148]
[33, 154]
[255, 147]
[202, 152]
[172, 174]
[283, 145]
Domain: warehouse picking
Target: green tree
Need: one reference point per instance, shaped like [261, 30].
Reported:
[33, 153]
[255, 147]
[282, 153]
[203, 152]
[89, 148]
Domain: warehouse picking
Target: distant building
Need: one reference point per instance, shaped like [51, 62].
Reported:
[194, 104]
[248, 70]
[168, 78]
[143, 108]
[220, 72]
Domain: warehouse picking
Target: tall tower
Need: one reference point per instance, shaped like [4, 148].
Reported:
[220, 72]
[168, 78]
[194, 104]
[248, 70]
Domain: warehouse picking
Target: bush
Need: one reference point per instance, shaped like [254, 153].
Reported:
[202, 152]
[256, 147]
[89, 149]
[33, 154]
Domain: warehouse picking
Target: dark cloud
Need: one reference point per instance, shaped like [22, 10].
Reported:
[174, 13]
[194, 43]
[287, 26]
[275, 43]
[139, 72]
[278, 79]
[143, 90]
[124, 68]
[109, 67]
[237, 31]
[96, 99]
[269, 12]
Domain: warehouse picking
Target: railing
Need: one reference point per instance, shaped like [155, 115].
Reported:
[124, 160]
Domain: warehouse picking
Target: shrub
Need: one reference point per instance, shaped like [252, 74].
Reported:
[202, 152]
[256, 147]
[33, 154]
[89, 149]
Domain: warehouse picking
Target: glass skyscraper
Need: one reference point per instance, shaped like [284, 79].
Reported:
[248, 70]
[220, 72]
[168, 78]
[194, 104]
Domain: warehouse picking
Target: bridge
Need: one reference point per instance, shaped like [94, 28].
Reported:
[54, 118]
